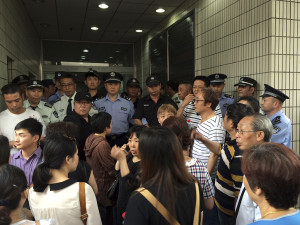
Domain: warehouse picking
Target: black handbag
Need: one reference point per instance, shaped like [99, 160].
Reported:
[113, 190]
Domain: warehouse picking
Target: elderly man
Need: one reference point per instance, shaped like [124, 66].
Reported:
[251, 130]
[246, 86]
[271, 104]
[80, 116]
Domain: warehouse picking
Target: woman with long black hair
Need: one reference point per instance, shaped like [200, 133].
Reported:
[169, 194]
[56, 196]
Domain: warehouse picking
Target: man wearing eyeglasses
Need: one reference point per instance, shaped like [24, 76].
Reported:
[65, 105]
[251, 131]
[80, 116]
[212, 128]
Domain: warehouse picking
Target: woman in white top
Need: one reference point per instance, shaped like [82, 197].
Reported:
[13, 194]
[54, 195]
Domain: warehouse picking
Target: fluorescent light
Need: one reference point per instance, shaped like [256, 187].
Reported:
[84, 64]
[117, 51]
[160, 10]
[94, 28]
[138, 31]
[85, 50]
[110, 57]
[103, 6]
[83, 57]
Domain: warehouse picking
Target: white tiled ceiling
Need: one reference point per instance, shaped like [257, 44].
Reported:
[72, 19]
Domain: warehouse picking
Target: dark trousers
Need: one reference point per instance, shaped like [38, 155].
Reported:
[108, 214]
[225, 219]
[210, 217]
[118, 140]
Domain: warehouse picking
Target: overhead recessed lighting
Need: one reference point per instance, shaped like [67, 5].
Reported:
[160, 10]
[83, 57]
[103, 6]
[110, 57]
[105, 61]
[85, 50]
[94, 28]
[117, 51]
[138, 31]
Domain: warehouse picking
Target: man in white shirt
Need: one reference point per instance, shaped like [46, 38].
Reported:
[65, 105]
[15, 113]
[211, 127]
[251, 131]
[187, 108]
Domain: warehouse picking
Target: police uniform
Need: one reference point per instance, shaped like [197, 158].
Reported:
[53, 98]
[246, 81]
[225, 99]
[62, 104]
[132, 82]
[282, 128]
[47, 111]
[121, 111]
[147, 108]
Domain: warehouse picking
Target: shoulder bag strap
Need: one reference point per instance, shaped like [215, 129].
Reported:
[197, 207]
[83, 212]
[37, 222]
[156, 204]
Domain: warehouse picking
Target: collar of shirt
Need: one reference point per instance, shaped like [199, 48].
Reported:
[67, 98]
[149, 98]
[27, 104]
[108, 99]
[222, 95]
[62, 185]
[279, 113]
[37, 153]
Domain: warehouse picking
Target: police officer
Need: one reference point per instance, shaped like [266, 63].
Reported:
[120, 108]
[146, 111]
[53, 98]
[246, 86]
[132, 90]
[217, 83]
[65, 105]
[34, 94]
[92, 82]
[271, 104]
[49, 89]
[21, 81]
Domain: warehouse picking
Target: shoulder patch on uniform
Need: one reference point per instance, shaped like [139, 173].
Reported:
[48, 105]
[276, 120]
[44, 116]
[228, 96]
[55, 114]
[125, 97]
[102, 108]
[276, 129]
[123, 108]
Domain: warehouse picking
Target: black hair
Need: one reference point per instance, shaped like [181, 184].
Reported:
[137, 130]
[173, 84]
[12, 183]
[67, 75]
[253, 102]
[57, 147]
[100, 121]
[238, 111]
[33, 126]
[10, 89]
[205, 79]
[4, 150]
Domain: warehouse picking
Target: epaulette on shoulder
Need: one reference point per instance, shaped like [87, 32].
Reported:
[228, 96]
[126, 97]
[48, 105]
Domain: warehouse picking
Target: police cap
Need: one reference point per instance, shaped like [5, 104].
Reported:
[272, 92]
[47, 82]
[133, 82]
[83, 96]
[22, 79]
[152, 80]
[217, 78]
[246, 81]
[35, 84]
[113, 77]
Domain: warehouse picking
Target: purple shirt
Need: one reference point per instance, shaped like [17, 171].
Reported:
[29, 165]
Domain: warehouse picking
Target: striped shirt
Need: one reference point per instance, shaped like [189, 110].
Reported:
[229, 177]
[192, 118]
[198, 169]
[212, 129]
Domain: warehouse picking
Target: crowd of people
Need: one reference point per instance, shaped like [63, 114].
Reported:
[191, 155]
